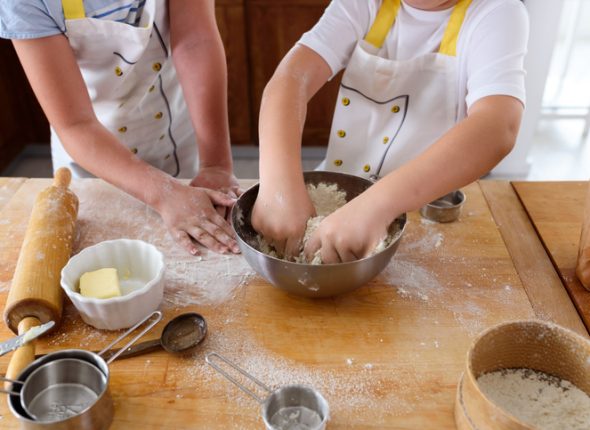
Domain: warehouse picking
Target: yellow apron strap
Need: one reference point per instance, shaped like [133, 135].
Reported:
[448, 46]
[73, 9]
[383, 22]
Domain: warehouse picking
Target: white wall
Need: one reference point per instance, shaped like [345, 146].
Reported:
[544, 16]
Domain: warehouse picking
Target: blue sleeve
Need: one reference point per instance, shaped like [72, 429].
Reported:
[29, 19]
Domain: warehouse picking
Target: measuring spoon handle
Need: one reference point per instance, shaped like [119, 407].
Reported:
[132, 351]
[137, 349]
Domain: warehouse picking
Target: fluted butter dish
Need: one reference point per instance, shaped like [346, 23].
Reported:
[140, 268]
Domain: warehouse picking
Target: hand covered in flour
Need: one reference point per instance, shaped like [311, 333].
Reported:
[350, 233]
[219, 179]
[281, 217]
[190, 216]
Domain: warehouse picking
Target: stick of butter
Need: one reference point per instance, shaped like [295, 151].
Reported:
[100, 284]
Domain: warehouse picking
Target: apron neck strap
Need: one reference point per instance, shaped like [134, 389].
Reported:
[73, 9]
[383, 22]
[448, 46]
[388, 12]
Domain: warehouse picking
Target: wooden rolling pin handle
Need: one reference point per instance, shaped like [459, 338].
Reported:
[24, 355]
[583, 265]
[62, 177]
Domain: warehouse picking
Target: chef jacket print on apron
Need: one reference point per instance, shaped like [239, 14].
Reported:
[389, 111]
[133, 87]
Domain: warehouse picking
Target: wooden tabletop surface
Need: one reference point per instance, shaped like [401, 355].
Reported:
[557, 210]
[388, 355]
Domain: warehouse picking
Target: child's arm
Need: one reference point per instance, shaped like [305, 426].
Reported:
[57, 82]
[199, 58]
[283, 205]
[463, 154]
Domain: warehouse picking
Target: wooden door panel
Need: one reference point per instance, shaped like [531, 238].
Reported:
[231, 22]
[22, 120]
[273, 28]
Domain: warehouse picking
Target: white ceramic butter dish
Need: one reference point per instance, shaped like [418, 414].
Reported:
[140, 267]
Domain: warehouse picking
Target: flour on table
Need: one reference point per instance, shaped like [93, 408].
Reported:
[539, 399]
[326, 198]
[209, 279]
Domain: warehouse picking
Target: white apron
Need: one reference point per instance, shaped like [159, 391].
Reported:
[390, 111]
[133, 87]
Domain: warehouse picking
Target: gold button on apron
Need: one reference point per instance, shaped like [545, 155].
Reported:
[122, 129]
[345, 101]
[366, 167]
[395, 109]
[385, 139]
[156, 67]
[158, 115]
[167, 157]
[118, 71]
[341, 133]
[162, 137]
[152, 88]
[338, 162]
[134, 150]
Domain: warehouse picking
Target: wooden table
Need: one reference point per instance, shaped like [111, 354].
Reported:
[388, 355]
[557, 210]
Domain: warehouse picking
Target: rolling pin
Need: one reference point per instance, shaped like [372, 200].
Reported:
[583, 265]
[35, 295]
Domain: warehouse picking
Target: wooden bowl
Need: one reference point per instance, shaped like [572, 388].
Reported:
[537, 345]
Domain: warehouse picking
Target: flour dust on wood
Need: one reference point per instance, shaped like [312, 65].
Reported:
[209, 279]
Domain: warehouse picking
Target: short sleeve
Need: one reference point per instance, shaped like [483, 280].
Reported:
[29, 19]
[335, 35]
[496, 51]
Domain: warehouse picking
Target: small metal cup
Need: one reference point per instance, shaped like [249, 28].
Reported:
[444, 209]
[292, 399]
[62, 389]
[300, 404]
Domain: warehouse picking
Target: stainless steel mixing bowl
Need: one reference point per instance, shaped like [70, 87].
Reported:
[309, 280]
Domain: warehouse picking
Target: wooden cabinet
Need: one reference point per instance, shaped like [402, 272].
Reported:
[256, 35]
[232, 26]
[274, 26]
[270, 28]
[21, 119]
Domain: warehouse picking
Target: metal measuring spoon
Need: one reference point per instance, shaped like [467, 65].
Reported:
[181, 334]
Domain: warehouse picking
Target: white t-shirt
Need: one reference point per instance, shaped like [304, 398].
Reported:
[490, 49]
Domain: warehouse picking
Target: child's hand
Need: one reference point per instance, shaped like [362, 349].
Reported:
[281, 217]
[189, 214]
[350, 233]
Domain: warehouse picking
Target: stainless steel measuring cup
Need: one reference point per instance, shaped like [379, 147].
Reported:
[288, 407]
[444, 209]
[69, 389]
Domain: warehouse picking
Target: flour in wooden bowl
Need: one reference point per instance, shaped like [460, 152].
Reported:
[537, 398]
